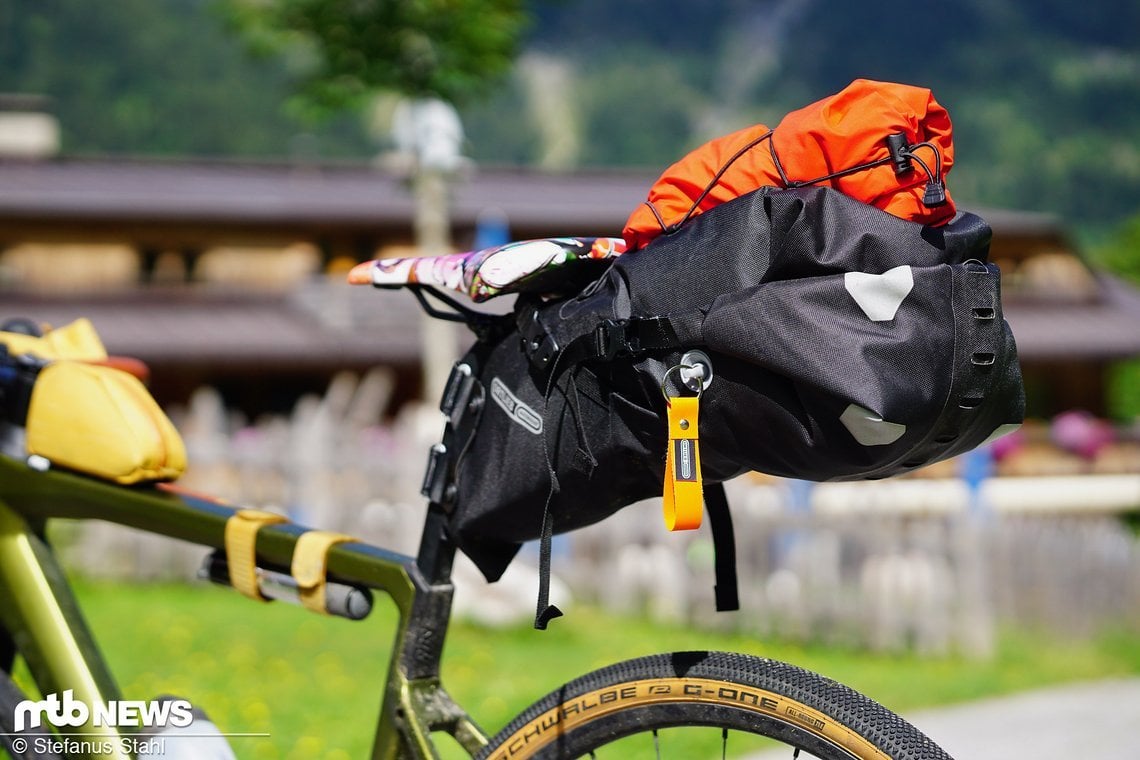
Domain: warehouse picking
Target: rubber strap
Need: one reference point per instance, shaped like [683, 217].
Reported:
[724, 547]
[683, 498]
[310, 566]
[241, 548]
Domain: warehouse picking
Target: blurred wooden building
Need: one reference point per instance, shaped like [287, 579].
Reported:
[231, 274]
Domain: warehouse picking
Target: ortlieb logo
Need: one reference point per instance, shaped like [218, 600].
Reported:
[683, 456]
[71, 712]
[515, 409]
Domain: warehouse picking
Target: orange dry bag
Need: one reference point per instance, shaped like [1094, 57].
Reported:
[840, 141]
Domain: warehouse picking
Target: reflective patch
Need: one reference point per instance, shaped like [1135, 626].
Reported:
[515, 409]
[1002, 430]
[869, 428]
[880, 295]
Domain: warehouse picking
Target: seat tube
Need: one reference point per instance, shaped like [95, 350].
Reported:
[40, 613]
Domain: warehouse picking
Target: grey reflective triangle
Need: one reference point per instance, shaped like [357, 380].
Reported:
[880, 295]
[1002, 430]
[869, 428]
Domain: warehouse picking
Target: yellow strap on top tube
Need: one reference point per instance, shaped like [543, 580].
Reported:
[310, 566]
[241, 548]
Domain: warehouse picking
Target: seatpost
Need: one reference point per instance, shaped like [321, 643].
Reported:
[437, 551]
[462, 395]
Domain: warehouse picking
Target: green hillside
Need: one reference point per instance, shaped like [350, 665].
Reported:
[1045, 96]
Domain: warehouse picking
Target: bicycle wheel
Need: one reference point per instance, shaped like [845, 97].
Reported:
[22, 745]
[707, 704]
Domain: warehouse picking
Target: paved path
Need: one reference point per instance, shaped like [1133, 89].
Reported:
[1087, 721]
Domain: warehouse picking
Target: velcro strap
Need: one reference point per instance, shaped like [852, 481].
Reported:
[310, 566]
[241, 548]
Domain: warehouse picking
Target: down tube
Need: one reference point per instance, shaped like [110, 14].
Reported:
[38, 609]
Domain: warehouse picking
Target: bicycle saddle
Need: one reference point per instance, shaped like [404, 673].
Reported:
[547, 265]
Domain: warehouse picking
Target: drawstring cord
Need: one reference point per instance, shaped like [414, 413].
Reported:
[670, 229]
[934, 178]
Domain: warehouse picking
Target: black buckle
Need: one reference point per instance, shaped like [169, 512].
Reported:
[539, 345]
[610, 340]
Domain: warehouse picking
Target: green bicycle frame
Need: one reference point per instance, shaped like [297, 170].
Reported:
[43, 621]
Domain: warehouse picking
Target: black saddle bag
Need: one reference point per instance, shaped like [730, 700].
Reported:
[845, 343]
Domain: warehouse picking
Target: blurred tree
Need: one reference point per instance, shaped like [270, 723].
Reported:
[140, 77]
[1045, 96]
[352, 49]
[434, 52]
[1120, 253]
[628, 123]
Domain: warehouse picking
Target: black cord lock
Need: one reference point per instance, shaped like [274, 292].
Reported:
[903, 159]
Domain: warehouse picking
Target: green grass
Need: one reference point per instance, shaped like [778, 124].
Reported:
[314, 684]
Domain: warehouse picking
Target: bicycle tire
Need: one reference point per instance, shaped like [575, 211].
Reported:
[718, 690]
[17, 746]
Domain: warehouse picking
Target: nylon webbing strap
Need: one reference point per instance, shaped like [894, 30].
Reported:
[241, 548]
[610, 339]
[634, 336]
[310, 565]
[724, 546]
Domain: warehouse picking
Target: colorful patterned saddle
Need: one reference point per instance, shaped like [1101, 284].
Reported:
[556, 265]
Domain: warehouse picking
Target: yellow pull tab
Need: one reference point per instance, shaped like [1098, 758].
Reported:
[683, 494]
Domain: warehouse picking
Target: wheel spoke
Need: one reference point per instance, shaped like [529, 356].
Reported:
[656, 744]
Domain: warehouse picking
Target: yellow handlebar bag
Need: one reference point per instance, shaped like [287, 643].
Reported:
[76, 340]
[101, 421]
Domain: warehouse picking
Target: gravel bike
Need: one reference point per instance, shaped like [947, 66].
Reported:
[650, 706]
[645, 701]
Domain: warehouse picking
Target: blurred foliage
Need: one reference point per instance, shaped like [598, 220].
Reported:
[1045, 96]
[1123, 391]
[166, 78]
[351, 49]
[626, 122]
[1120, 250]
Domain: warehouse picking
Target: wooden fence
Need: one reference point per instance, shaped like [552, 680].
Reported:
[917, 565]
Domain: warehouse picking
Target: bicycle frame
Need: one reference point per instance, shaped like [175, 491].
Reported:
[43, 622]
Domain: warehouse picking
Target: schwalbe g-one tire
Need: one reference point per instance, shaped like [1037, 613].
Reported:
[732, 692]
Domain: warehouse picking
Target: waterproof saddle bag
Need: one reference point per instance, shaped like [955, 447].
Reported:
[843, 343]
